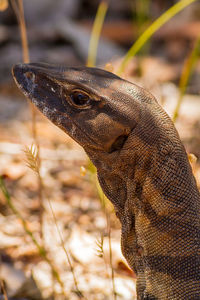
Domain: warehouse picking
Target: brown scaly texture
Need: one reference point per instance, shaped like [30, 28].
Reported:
[142, 168]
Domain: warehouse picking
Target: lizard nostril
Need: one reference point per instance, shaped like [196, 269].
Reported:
[29, 81]
[30, 76]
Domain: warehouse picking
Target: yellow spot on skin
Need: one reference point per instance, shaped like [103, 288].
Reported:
[83, 171]
[3, 5]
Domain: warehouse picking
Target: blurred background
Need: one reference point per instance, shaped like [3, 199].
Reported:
[59, 181]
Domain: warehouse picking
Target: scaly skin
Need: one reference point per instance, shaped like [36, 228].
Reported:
[142, 168]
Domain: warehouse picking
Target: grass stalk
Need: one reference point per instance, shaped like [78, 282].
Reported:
[146, 35]
[188, 68]
[100, 243]
[110, 256]
[41, 250]
[19, 11]
[3, 288]
[78, 292]
[141, 11]
[33, 162]
[95, 35]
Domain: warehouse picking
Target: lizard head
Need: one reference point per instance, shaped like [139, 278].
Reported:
[96, 108]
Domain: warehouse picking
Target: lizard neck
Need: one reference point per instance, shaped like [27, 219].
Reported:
[151, 169]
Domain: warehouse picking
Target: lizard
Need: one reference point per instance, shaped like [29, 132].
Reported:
[142, 167]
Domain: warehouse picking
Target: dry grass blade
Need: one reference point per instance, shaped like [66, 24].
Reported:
[99, 243]
[32, 158]
[3, 289]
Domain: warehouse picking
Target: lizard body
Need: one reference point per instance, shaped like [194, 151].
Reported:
[142, 168]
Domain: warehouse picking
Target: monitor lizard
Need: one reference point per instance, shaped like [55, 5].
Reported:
[142, 168]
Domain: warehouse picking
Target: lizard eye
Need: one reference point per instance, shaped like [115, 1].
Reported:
[79, 98]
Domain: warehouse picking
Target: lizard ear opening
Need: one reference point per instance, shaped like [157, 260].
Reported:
[118, 143]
